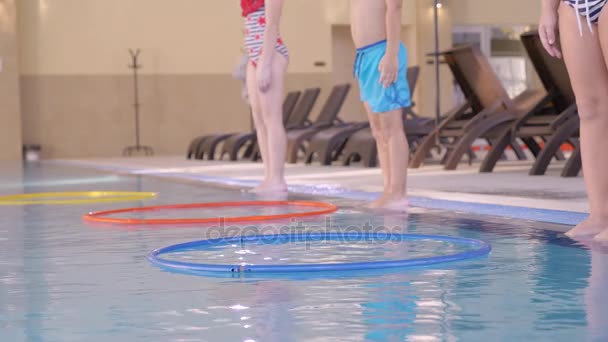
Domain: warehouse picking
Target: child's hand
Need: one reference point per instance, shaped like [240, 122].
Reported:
[264, 76]
[389, 69]
[548, 30]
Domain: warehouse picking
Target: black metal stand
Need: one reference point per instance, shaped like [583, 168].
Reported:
[439, 143]
[436, 53]
[128, 151]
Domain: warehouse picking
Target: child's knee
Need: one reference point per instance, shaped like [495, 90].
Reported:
[381, 134]
[391, 124]
[592, 108]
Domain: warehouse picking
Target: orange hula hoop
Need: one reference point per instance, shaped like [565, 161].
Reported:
[101, 216]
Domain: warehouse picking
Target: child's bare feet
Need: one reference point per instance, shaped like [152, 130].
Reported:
[270, 187]
[587, 228]
[391, 202]
[397, 204]
[378, 203]
[258, 187]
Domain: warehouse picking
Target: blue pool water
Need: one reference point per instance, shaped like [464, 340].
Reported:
[65, 280]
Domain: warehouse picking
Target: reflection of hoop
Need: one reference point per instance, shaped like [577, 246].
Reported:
[101, 216]
[66, 197]
[480, 248]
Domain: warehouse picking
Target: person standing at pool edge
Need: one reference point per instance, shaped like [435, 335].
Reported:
[585, 50]
[380, 68]
[268, 60]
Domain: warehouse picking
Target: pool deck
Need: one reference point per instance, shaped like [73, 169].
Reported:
[509, 191]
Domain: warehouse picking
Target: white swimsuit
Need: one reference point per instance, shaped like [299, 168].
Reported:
[255, 25]
[590, 9]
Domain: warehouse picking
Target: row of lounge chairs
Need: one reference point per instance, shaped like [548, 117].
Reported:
[539, 120]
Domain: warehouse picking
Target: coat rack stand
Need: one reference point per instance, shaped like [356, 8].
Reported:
[128, 151]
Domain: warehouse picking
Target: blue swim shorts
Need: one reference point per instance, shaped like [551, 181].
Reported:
[380, 99]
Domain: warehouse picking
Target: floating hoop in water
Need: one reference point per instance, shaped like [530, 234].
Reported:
[321, 209]
[79, 197]
[479, 249]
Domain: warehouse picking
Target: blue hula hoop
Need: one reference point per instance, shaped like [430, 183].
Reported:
[480, 249]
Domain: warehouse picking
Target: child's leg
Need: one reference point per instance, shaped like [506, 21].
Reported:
[589, 76]
[271, 103]
[258, 121]
[384, 106]
[393, 153]
[596, 159]
[398, 152]
[382, 146]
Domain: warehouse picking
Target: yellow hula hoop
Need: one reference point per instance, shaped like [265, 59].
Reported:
[67, 197]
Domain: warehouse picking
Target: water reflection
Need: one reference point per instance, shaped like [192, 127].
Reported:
[596, 296]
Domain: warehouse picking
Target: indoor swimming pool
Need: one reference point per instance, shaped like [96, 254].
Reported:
[64, 279]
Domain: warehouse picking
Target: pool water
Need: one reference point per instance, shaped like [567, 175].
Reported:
[62, 279]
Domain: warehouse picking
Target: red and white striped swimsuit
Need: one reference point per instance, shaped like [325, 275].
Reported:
[254, 13]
